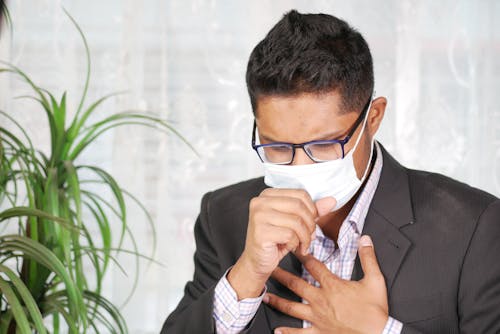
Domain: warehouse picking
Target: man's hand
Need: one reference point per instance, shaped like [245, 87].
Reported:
[280, 221]
[337, 306]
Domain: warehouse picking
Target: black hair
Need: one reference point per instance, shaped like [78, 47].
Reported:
[311, 53]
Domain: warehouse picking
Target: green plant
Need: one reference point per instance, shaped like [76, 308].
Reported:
[42, 278]
[3, 12]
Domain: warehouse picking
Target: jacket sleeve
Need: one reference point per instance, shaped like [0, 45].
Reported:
[194, 314]
[479, 290]
[410, 330]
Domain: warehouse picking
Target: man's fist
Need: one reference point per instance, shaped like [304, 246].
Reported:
[280, 221]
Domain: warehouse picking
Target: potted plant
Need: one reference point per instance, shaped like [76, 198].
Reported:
[43, 284]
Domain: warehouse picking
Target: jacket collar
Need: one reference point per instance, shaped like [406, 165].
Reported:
[390, 210]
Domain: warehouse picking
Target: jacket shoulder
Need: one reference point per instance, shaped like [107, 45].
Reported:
[226, 217]
[438, 193]
[240, 192]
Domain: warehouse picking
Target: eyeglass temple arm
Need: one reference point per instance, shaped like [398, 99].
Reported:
[360, 118]
[253, 132]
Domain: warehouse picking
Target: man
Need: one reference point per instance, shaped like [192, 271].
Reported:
[337, 237]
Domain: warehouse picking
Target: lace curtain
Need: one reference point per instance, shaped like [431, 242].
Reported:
[437, 62]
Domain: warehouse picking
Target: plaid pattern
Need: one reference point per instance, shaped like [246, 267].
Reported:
[392, 327]
[232, 316]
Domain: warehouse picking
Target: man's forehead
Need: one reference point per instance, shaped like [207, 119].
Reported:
[302, 118]
[303, 102]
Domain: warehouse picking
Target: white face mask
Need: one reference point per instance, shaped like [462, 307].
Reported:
[336, 178]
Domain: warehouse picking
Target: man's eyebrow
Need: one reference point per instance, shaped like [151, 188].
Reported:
[329, 136]
[332, 135]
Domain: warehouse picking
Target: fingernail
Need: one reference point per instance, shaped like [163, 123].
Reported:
[266, 298]
[365, 241]
[277, 331]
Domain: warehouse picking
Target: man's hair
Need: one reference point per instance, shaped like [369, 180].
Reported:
[312, 53]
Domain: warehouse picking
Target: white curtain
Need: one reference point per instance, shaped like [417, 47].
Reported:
[437, 62]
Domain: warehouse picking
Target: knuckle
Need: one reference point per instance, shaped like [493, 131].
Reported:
[265, 191]
[287, 307]
[289, 235]
[294, 243]
[304, 195]
[292, 284]
[328, 282]
[254, 202]
[296, 221]
[302, 230]
[297, 202]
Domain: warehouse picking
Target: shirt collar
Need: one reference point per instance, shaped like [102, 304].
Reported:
[357, 215]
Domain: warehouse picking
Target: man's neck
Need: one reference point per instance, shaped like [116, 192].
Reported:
[331, 222]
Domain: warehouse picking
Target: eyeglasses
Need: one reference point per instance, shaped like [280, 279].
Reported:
[317, 150]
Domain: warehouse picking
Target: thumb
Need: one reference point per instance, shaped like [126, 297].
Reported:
[325, 205]
[367, 257]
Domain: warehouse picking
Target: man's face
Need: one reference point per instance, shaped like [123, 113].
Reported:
[307, 117]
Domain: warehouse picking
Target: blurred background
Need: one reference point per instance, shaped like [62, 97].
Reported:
[437, 62]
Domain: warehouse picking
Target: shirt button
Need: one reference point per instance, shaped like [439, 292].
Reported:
[227, 317]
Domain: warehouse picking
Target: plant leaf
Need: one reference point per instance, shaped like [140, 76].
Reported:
[87, 55]
[47, 258]
[15, 305]
[27, 298]
[21, 211]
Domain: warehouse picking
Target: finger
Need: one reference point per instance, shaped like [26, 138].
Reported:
[294, 309]
[283, 236]
[325, 205]
[295, 193]
[367, 257]
[294, 223]
[294, 206]
[289, 330]
[294, 283]
[317, 269]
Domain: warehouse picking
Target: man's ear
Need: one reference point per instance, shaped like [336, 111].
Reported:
[376, 115]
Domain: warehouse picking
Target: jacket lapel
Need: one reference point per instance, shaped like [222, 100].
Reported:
[390, 210]
[275, 318]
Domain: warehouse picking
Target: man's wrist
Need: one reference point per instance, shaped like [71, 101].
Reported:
[231, 315]
[244, 282]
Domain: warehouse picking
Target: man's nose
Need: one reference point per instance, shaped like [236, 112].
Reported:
[301, 158]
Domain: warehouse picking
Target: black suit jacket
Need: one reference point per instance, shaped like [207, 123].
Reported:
[437, 242]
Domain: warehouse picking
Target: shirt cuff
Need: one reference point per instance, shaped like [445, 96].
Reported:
[232, 316]
[392, 326]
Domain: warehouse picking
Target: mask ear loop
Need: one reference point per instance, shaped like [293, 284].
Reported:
[372, 142]
[364, 124]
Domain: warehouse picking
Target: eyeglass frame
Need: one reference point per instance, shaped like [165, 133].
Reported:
[342, 142]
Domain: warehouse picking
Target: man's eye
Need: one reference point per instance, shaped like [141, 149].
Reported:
[279, 149]
[323, 147]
